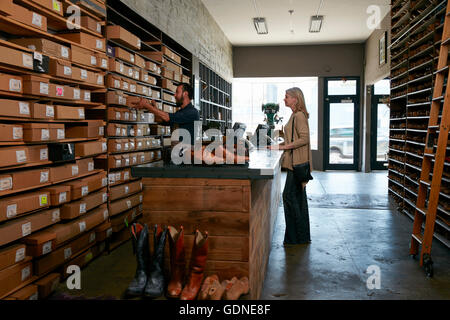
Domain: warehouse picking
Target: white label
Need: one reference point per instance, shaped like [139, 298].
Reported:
[26, 272]
[142, 159]
[132, 58]
[24, 108]
[65, 52]
[82, 207]
[49, 111]
[127, 161]
[118, 147]
[118, 131]
[43, 88]
[84, 74]
[101, 131]
[26, 229]
[17, 133]
[38, 56]
[140, 198]
[27, 60]
[128, 204]
[99, 44]
[20, 254]
[139, 43]
[104, 182]
[145, 91]
[104, 147]
[104, 63]
[56, 215]
[117, 84]
[105, 215]
[37, 20]
[124, 132]
[112, 178]
[118, 115]
[126, 116]
[130, 73]
[15, 85]
[139, 145]
[81, 113]
[45, 134]
[61, 134]
[132, 132]
[82, 226]
[133, 88]
[136, 75]
[75, 170]
[77, 94]
[145, 77]
[105, 197]
[109, 232]
[44, 176]
[92, 237]
[99, 79]
[118, 163]
[90, 166]
[121, 68]
[127, 189]
[67, 71]
[99, 28]
[93, 60]
[21, 156]
[47, 247]
[43, 154]
[134, 159]
[84, 190]
[62, 197]
[6, 184]
[126, 146]
[67, 253]
[118, 176]
[87, 96]
[126, 175]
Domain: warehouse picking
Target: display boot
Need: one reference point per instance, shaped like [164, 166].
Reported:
[156, 282]
[216, 290]
[196, 266]
[236, 288]
[177, 262]
[139, 236]
[206, 286]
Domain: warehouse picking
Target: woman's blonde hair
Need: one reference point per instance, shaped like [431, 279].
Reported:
[298, 94]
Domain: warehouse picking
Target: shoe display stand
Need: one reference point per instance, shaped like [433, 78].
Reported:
[417, 28]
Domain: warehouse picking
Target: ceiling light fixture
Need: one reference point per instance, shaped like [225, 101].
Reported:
[316, 21]
[260, 25]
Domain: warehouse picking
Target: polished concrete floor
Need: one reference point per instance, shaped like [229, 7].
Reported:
[353, 227]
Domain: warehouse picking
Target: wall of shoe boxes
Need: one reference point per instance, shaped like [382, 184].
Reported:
[68, 138]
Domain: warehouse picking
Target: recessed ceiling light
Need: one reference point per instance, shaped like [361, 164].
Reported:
[316, 24]
[260, 25]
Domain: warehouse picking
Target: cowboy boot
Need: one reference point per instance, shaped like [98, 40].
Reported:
[236, 288]
[216, 290]
[196, 267]
[177, 262]
[204, 291]
[156, 282]
[139, 236]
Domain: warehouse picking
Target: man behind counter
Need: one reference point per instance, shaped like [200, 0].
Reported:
[182, 119]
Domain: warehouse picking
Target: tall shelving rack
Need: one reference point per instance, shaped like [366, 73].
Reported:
[416, 27]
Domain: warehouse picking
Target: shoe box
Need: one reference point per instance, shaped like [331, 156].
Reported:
[53, 5]
[85, 40]
[44, 46]
[112, 98]
[11, 83]
[116, 145]
[15, 275]
[82, 187]
[86, 165]
[145, 77]
[25, 16]
[122, 205]
[47, 285]
[103, 231]
[11, 207]
[102, 61]
[84, 56]
[69, 113]
[118, 114]
[75, 209]
[117, 130]
[113, 81]
[14, 108]
[22, 227]
[42, 111]
[61, 255]
[58, 195]
[30, 292]
[39, 244]
[16, 58]
[60, 68]
[24, 179]
[42, 132]
[92, 129]
[11, 133]
[37, 153]
[64, 172]
[119, 177]
[35, 85]
[11, 255]
[123, 37]
[64, 232]
[84, 149]
[91, 24]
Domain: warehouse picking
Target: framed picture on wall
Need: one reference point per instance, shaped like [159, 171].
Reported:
[383, 48]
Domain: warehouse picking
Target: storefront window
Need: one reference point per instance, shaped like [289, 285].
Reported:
[249, 94]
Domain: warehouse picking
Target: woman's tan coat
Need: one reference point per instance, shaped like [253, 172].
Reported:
[302, 147]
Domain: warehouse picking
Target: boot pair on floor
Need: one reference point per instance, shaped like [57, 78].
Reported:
[232, 289]
[149, 278]
[197, 264]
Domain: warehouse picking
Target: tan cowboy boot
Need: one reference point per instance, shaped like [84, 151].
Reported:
[216, 290]
[204, 291]
[236, 288]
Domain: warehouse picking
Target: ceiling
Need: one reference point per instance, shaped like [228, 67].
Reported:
[345, 21]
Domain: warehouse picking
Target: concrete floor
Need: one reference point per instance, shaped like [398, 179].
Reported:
[353, 226]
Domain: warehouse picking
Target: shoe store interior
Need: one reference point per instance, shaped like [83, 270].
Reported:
[336, 186]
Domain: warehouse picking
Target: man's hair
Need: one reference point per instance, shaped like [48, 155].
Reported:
[187, 88]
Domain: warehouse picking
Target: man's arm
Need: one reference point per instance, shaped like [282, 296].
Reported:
[141, 103]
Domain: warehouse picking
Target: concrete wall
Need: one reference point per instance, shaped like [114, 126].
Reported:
[304, 61]
[189, 23]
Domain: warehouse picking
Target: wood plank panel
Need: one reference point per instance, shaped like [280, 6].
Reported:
[215, 222]
[194, 182]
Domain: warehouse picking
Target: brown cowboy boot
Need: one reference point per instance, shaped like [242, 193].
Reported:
[177, 262]
[235, 288]
[196, 267]
[204, 291]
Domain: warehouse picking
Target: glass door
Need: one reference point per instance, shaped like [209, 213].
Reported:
[341, 145]
[380, 126]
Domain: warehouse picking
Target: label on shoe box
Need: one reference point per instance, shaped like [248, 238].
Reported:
[11, 211]
[20, 255]
[45, 134]
[65, 52]
[104, 147]
[99, 79]
[81, 113]
[127, 189]
[84, 74]
[56, 215]
[15, 85]
[17, 133]
[37, 20]
[75, 170]
[126, 146]
[93, 60]
[101, 131]
[26, 272]
[43, 200]
[26, 229]
[92, 237]
[67, 253]
[104, 182]
[99, 44]
[47, 247]
[99, 28]
[87, 96]
[118, 176]
[44, 176]
[62, 197]
[77, 94]
[126, 175]
[82, 207]
[105, 215]
[56, 6]
[6, 184]
[49, 111]
[112, 178]
[38, 56]
[82, 226]
[109, 232]
[43, 88]
[27, 60]
[43, 154]
[105, 197]
[61, 134]
[24, 108]
[126, 116]
[117, 84]
[67, 71]
[104, 63]
[84, 191]
[128, 204]
[91, 166]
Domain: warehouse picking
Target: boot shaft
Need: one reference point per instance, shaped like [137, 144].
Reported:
[199, 252]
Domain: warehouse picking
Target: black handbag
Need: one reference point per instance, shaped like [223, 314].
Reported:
[302, 172]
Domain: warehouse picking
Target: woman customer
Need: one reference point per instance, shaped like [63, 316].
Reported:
[297, 151]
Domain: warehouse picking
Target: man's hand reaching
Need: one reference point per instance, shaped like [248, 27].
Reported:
[141, 103]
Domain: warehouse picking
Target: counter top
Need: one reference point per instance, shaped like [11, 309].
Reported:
[263, 164]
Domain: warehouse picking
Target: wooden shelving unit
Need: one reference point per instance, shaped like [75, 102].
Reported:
[417, 28]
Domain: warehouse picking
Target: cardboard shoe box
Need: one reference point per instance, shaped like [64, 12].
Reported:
[11, 207]
[42, 111]
[81, 188]
[36, 132]
[60, 68]
[14, 108]
[57, 131]
[115, 161]
[44, 46]
[54, 5]
[22, 227]
[91, 24]
[123, 37]
[14, 156]
[85, 40]
[39, 244]
[27, 178]
[115, 113]
[11, 133]
[58, 195]
[84, 149]
[11, 83]
[91, 130]
[125, 55]
[30, 292]
[125, 190]
[69, 113]
[115, 145]
[116, 130]
[38, 153]
[86, 165]
[16, 58]
[12, 255]
[102, 61]
[122, 205]
[35, 85]
[47, 285]
[77, 208]
[60, 173]
[119, 177]
[29, 18]
[83, 56]
[15, 275]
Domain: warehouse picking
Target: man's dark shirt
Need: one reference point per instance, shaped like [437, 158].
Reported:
[184, 119]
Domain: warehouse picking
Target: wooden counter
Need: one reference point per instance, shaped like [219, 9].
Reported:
[238, 212]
